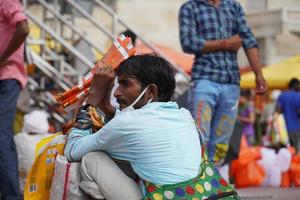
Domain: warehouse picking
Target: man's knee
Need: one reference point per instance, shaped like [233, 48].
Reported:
[92, 162]
[92, 155]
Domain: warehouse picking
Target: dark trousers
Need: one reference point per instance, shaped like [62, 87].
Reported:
[294, 139]
[9, 179]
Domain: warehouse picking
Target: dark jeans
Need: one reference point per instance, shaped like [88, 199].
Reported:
[9, 179]
[294, 139]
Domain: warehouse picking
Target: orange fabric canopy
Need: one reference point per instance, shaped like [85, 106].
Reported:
[185, 61]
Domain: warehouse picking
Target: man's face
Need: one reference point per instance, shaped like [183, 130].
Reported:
[128, 91]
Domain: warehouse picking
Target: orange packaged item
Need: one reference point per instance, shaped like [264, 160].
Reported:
[296, 159]
[285, 179]
[76, 97]
[121, 49]
[251, 175]
[246, 156]
[73, 91]
[295, 174]
[295, 170]
[292, 150]
[244, 144]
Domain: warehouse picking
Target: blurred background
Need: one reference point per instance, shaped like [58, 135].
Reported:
[67, 37]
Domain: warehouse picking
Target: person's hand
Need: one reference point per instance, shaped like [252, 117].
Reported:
[101, 86]
[261, 85]
[233, 43]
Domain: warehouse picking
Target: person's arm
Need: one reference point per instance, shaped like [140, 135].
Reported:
[13, 11]
[251, 49]
[232, 44]
[80, 142]
[253, 57]
[100, 90]
[191, 42]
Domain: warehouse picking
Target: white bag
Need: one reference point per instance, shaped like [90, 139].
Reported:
[275, 176]
[65, 183]
[25, 144]
[268, 161]
[284, 158]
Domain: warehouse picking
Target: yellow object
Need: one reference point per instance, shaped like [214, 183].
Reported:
[282, 130]
[278, 131]
[39, 179]
[35, 33]
[18, 121]
[277, 75]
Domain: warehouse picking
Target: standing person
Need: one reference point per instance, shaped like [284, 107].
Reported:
[214, 30]
[289, 104]
[35, 128]
[13, 32]
[246, 116]
[268, 110]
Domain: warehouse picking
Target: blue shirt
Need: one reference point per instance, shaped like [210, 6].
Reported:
[289, 103]
[159, 140]
[199, 22]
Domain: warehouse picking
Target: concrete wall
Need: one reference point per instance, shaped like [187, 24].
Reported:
[156, 20]
[275, 4]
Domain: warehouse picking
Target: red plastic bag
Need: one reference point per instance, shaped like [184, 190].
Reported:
[246, 156]
[296, 159]
[295, 173]
[292, 150]
[251, 175]
[244, 144]
[285, 179]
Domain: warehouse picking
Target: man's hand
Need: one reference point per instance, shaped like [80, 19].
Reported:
[100, 90]
[254, 60]
[233, 43]
[261, 85]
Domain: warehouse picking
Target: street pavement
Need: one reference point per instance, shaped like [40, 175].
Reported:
[268, 193]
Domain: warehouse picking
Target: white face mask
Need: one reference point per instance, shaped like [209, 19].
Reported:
[130, 107]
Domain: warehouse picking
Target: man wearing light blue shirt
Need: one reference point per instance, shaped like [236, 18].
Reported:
[159, 140]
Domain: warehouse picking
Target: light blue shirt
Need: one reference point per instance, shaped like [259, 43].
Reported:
[159, 140]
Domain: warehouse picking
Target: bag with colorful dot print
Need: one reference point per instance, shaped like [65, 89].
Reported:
[208, 185]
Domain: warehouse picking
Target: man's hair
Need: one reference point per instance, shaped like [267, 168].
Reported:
[132, 35]
[150, 69]
[294, 84]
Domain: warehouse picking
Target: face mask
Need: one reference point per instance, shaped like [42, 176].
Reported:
[130, 107]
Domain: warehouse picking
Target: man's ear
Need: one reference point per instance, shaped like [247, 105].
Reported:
[152, 92]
